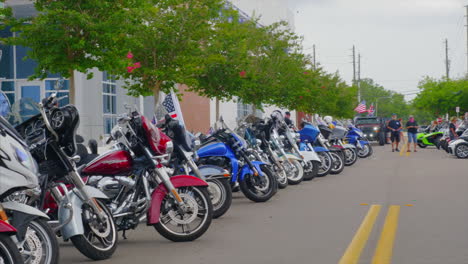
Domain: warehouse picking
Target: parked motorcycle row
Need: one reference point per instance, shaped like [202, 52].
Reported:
[160, 175]
[440, 138]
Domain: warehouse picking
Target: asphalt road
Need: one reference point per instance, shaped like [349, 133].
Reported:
[316, 222]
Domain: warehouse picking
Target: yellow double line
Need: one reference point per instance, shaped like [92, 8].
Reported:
[384, 250]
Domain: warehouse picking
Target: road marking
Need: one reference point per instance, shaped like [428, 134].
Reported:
[384, 250]
[353, 252]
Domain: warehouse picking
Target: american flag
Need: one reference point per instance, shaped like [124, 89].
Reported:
[371, 110]
[168, 103]
[361, 108]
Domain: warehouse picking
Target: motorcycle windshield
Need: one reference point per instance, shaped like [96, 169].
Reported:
[22, 111]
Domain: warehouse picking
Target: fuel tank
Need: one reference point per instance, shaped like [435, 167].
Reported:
[214, 149]
[113, 162]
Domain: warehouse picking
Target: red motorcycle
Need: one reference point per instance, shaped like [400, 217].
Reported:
[135, 178]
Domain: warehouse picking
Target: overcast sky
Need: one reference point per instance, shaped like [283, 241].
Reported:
[400, 41]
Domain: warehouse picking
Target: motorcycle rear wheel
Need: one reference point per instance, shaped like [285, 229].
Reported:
[260, 194]
[107, 241]
[9, 253]
[221, 196]
[198, 198]
[461, 150]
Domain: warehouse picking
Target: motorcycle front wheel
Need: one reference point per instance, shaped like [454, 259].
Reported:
[221, 196]
[9, 253]
[350, 156]
[40, 244]
[311, 170]
[326, 163]
[281, 176]
[99, 240]
[365, 152]
[257, 189]
[295, 172]
[338, 162]
[196, 217]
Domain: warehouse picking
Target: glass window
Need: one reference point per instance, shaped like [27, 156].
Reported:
[62, 93]
[6, 57]
[9, 89]
[31, 91]
[24, 68]
[50, 85]
[109, 102]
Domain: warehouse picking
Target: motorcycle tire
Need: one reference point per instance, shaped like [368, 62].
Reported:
[299, 175]
[338, 163]
[350, 156]
[364, 154]
[202, 200]
[461, 150]
[248, 187]
[86, 247]
[39, 231]
[9, 252]
[421, 145]
[281, 177]
[311, 170]
[325, 165]
[221, 196]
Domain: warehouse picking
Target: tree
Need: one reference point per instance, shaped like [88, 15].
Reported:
[168, 41]
[71, 35]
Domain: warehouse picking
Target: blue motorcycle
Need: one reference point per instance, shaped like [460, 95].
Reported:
[227, 149]
[356, 137]
[309, 137]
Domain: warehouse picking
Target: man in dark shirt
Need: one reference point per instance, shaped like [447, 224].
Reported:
[395, 127]
[287, 119]
[412, 127]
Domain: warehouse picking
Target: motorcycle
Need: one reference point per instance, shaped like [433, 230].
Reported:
[293, 161]
[134, 174]
[309, 134]
[459, 147]
[78, 211]
[227, 149]
[349, 151]
[183, 161]
[356, 137]
[428, 138]
[25, 236]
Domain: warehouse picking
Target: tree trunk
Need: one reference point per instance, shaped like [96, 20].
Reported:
[71, 92]
[156, 90]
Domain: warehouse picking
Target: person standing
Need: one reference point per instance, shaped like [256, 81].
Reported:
[287, 119]
[453, 128]
[395, 127]
[412, 127]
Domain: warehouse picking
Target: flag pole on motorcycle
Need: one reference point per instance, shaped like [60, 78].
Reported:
[172, 106]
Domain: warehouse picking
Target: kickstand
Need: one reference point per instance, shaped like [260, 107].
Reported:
[124, 234]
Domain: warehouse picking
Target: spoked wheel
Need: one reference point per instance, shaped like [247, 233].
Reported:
[281, 176]
[461, 151]
[325, 163]
[365, 151]
[295, 172]
[350, 156]
[9, 253]
[40, 244]
[185, 224]
[100, 236]
[221, 196]
[311, 169]
[259, 188]
[338, 162]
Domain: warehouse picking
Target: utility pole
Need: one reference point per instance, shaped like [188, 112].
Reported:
[359, 77]
[466, 41]
[447, 62]
[313, 58]
[354, 65]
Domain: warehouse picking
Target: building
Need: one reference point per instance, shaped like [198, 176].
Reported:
[101, 99]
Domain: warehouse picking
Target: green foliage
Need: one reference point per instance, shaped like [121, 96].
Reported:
[387, 102]
[438, 97]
